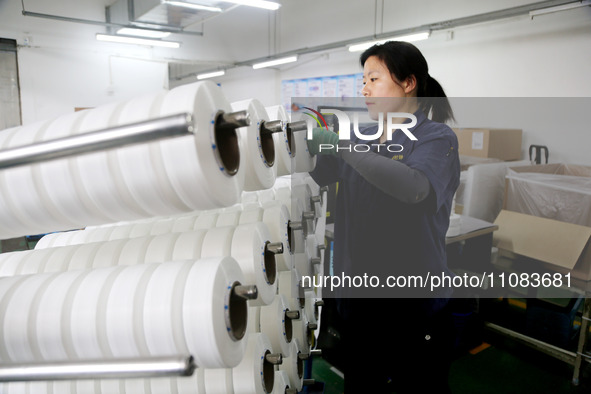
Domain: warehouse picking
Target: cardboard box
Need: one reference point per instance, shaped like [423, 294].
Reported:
[561, 245]
[564, 247]
[553, 191]
[504, 144]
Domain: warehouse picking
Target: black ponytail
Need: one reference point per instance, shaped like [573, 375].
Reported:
[403, 60]
[435, 101]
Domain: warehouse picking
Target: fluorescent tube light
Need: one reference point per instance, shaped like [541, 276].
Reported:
[138, 41]
[558, 8]
[128, 31]
[193, 6]
[211, 74]
[275, 62]
[408, 38]
[268, 5]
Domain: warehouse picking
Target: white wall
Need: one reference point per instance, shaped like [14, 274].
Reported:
[62, 66]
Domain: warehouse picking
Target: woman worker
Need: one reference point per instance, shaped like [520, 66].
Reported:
[392, 214]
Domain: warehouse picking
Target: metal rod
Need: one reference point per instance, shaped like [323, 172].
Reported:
[167, 28]
[249, 292]
[274, 247]
[303, 356]
[554, 351]
[235, 119]
[309, 382]
[308, 215]
[272, 126]
[292, 315]
[294, 226]
[316, 199]
[99, 369]
[319, 303]
[321, 247]
[312, 326]
[274, 359]
[296, 126]
[115, 137]
[291, 391]
[316, 352]
[315, 260]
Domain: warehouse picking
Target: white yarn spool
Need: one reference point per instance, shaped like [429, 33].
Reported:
[293, 366]
[21, 187]
[303, 334]
[217, 242]
[188, 245]
[202, 167]
[231, 218]
[310, 308]
[277, 325]
[142, 165]
[289, 287]
[254, 319]
[218, 381]
[304, 162]
[283, 150]
[99, 175]
[281, 382]
[206, 220]
[176, 308]
[210, 326]
[258, 149]
[194, 384]
[276, 217]
[252, 213]
[254, 374]
[249, 248]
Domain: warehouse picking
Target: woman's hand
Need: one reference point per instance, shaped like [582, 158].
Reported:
[324, 142]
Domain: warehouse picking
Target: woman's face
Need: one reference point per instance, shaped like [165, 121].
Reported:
[383, 93]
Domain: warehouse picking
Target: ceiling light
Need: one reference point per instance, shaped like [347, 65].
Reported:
[138, 41]
[558, 8]
[275, 62]
[211, 74]
[193, 6]
[128, 31]
[408, 38]
[268, 5]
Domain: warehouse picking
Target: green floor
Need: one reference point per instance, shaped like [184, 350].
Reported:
[504, 367]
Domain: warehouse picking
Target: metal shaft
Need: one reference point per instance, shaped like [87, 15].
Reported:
[249, 292]
[292, 315]
[275, 248]
[99, 369]
[319, 303]
[274, 359]
[315, 260]
[308, 215]
[316, 352]
[272, 126]
[309, 382]
[297, 126]
[295, 226]
[115, 137]
[312, 326]
[235, 119]
[291, 391]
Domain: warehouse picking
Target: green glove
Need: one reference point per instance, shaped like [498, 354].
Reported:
[324, 142]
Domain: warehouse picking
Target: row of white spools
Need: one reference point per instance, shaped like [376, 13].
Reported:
[165, 285]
